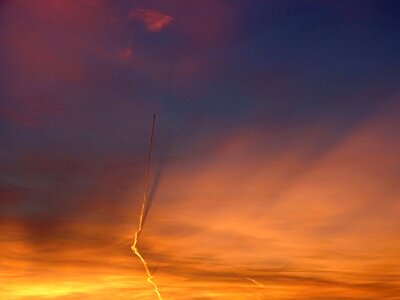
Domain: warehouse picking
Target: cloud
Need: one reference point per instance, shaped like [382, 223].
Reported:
[214, 222]
[309, 211]
[154, 20]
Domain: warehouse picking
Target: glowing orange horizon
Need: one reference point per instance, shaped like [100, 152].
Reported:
[324, 228]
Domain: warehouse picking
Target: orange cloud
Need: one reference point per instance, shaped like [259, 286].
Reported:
[154, 20]
[239, 210]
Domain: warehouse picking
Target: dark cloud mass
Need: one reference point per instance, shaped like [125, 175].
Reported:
[275, 166]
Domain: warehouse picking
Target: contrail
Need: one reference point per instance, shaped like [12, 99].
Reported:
[252, 280]
[255, 282]
[153, 190]
[142, 215]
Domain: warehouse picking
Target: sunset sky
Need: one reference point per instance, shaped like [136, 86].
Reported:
[276, 156]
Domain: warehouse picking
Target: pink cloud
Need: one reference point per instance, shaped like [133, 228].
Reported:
[125, 55]
[154, 20]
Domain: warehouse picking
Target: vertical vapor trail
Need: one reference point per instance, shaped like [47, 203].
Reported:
[142, 212]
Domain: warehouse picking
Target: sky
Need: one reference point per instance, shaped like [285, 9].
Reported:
[275, 167]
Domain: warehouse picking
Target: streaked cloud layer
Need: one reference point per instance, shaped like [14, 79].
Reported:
[276, 166]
